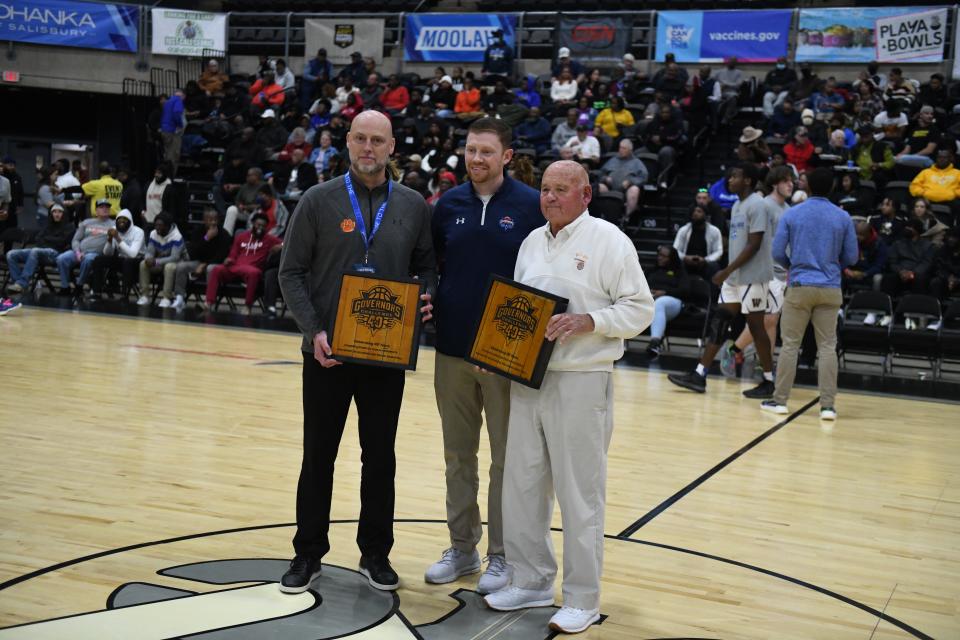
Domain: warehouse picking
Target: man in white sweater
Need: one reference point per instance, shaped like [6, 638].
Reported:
[558, 435]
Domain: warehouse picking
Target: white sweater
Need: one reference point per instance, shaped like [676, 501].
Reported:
[594, 265]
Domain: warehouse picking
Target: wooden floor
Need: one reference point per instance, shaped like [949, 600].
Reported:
[116, 432]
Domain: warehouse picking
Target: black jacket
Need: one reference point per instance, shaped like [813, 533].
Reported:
[55, 235]
[674, 282]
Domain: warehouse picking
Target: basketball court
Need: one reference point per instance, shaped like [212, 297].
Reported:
[148, 475]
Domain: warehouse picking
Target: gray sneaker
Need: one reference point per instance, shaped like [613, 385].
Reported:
[496, 577]
[453, 564]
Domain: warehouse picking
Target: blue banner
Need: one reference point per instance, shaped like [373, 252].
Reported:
[65, 23]
[454, 37]
[711, 36]
[850, 34]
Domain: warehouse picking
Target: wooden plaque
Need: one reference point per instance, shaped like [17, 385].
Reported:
[509, 338]
[378, 320]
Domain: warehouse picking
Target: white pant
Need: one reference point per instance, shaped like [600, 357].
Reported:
[557, 441]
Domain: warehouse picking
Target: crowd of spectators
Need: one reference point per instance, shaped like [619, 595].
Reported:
[278, 135]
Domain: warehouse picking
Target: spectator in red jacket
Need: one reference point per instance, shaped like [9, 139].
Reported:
[800, 150]
[265, 92]
[248, 255]
[395, 97]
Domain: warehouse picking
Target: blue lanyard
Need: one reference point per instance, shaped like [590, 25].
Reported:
[358, 214]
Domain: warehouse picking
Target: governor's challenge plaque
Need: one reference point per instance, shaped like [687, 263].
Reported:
[378, 320]
[509, 338]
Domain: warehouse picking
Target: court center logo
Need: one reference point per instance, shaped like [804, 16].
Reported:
[239, 598]
[516, 318]
[377, 308]
[343, 35]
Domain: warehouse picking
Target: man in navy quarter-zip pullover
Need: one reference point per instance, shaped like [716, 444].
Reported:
[478, 228]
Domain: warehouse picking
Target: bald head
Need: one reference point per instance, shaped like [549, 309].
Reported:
[564, 193]
[370, 144]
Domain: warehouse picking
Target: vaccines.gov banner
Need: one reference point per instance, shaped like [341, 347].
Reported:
[889, 34]
[711, 36]
[454, 37]
[64, 23]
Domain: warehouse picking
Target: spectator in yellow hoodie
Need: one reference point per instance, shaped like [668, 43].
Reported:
[940, 183]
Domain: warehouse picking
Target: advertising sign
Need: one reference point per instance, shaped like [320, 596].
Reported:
[65, 23]
[454, 37]
[711, 36]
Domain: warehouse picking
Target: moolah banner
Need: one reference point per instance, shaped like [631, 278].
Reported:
[187, 33]
[596, 39]
[64, 23]
[454, 37]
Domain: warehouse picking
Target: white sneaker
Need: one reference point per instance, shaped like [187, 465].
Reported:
[164, 303]
[774, 406]
[572, 620]
[870, 318]
[885, 321]
[828, 413]
[143, 301]
[179, 303]
[497, 575]
[513, 598]
[934, 326]
[453, 564]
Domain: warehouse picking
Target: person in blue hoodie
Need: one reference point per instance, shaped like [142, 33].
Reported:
[528, 96]
[478, 228]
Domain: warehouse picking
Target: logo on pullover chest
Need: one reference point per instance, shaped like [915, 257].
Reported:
[461, 220]
[581, 260]
[506, 223]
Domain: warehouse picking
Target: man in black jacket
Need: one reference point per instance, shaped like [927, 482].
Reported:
[207, 248]
[361, 220]
[910, 261]
[50, 242]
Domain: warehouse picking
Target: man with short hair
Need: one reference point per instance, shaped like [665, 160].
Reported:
[366, 221]
[165, 248]
[565, 130]
[157, 194]
[921, 142]
[939, 183]
[624, 173]
[209, 247]
[246, 260]
[317, 72]
[88, 242]
[815, 241]
[779, 184]
[356, 71]
[285, 77]
[106, 187]
[559, 435]
[777, 86]
[245, 200]
[745, 283]
[497, 60]
[172, 123]
[534, 131]
[477, 230]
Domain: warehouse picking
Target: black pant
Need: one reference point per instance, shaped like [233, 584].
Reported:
[271, 280]
[377, 392]
[893, 286]
[129, 268]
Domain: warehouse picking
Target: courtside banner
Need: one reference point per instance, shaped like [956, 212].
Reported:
[63, 23]
[711, 36]
[865, 34]
[343, 36]
[454, 37]
[187, 33]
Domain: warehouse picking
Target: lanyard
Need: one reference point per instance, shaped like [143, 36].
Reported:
[358, 214]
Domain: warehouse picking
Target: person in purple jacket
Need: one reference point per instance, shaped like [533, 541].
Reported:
[815, 241]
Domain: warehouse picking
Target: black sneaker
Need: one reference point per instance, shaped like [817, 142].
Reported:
[762, 391]
[693, 381]
[303, 570]
[653, 349]
[379, 572]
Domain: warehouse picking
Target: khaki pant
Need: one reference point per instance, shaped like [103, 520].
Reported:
[462, 393]
[558, 442]
[802, 305]
[169, 271]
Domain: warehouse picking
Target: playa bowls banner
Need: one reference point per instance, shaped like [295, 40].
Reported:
[889, 34]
